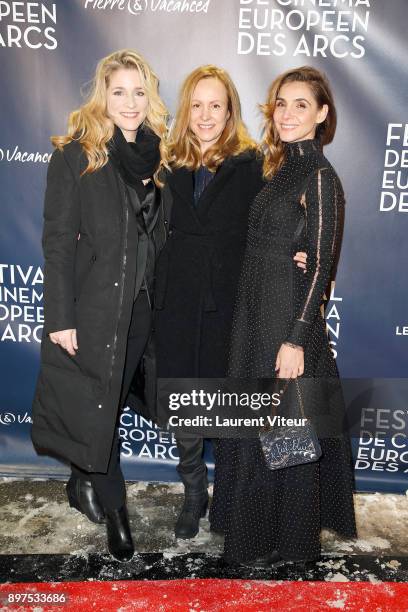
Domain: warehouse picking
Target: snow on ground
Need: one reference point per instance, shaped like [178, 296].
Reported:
[35, 518]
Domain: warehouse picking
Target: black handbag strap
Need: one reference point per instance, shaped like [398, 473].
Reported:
[298, 393]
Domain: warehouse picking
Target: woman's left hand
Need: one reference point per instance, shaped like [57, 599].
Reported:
[290, 362]
[301, 260]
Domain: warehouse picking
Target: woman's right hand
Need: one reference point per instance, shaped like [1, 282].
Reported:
[67, 339]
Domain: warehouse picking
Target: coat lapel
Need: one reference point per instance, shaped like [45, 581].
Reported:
[115, 185]
[181, 180]
[214, 188]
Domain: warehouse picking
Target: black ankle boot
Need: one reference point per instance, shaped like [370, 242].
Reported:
[194, 507]
[120, 543]
[82, 496]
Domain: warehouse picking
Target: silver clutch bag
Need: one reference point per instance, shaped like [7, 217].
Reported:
[285, 446]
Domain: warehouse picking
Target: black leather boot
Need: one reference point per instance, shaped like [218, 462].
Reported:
[120, 543]
[194, 507]
[82, 496]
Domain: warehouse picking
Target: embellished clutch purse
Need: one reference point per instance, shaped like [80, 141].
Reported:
[285, 446]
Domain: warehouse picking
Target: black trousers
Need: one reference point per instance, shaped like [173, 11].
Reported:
[110, 487]
[192, 468]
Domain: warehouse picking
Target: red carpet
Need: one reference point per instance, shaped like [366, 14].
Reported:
[207, 596]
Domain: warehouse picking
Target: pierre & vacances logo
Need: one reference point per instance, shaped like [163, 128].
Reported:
[136, 7]
[9, 418]
[15, 154]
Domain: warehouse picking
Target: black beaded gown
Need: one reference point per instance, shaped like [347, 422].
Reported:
[260, 510]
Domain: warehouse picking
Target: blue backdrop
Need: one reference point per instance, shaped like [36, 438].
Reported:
[50, 50]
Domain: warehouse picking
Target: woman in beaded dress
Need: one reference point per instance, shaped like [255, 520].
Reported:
[278, 331]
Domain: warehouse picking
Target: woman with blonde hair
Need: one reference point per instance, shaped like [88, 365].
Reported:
[270, 516]
[214, 173]
[104, 224]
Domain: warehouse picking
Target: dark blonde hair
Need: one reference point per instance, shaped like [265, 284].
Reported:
[90, 124]
[183, 147]
[271, 143]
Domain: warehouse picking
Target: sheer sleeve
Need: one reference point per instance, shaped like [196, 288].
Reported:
[324, 210]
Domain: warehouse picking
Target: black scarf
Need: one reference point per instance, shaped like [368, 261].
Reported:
[136, 161]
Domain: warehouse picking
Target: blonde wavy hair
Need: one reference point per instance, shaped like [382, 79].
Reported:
[90, 124]
[271, 145]
[183, 147]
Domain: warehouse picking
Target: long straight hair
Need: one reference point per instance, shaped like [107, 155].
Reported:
[90, 124]
[271, 144]
[183, 147]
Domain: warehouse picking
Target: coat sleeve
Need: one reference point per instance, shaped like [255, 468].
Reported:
[60, 238]
[324, 208]
[257, 180]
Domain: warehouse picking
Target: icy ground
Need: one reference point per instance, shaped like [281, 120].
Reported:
[35, 519]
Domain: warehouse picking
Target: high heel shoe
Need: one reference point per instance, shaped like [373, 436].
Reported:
[120, 543]
[82, 496]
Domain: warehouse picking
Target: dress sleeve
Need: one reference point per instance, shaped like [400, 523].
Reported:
[324, 209]
[59, 241]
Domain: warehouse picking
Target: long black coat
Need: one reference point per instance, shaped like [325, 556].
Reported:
[90, 250]
[198, 269]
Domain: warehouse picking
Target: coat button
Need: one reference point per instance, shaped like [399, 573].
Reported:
[166, 223]
[170, 232]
